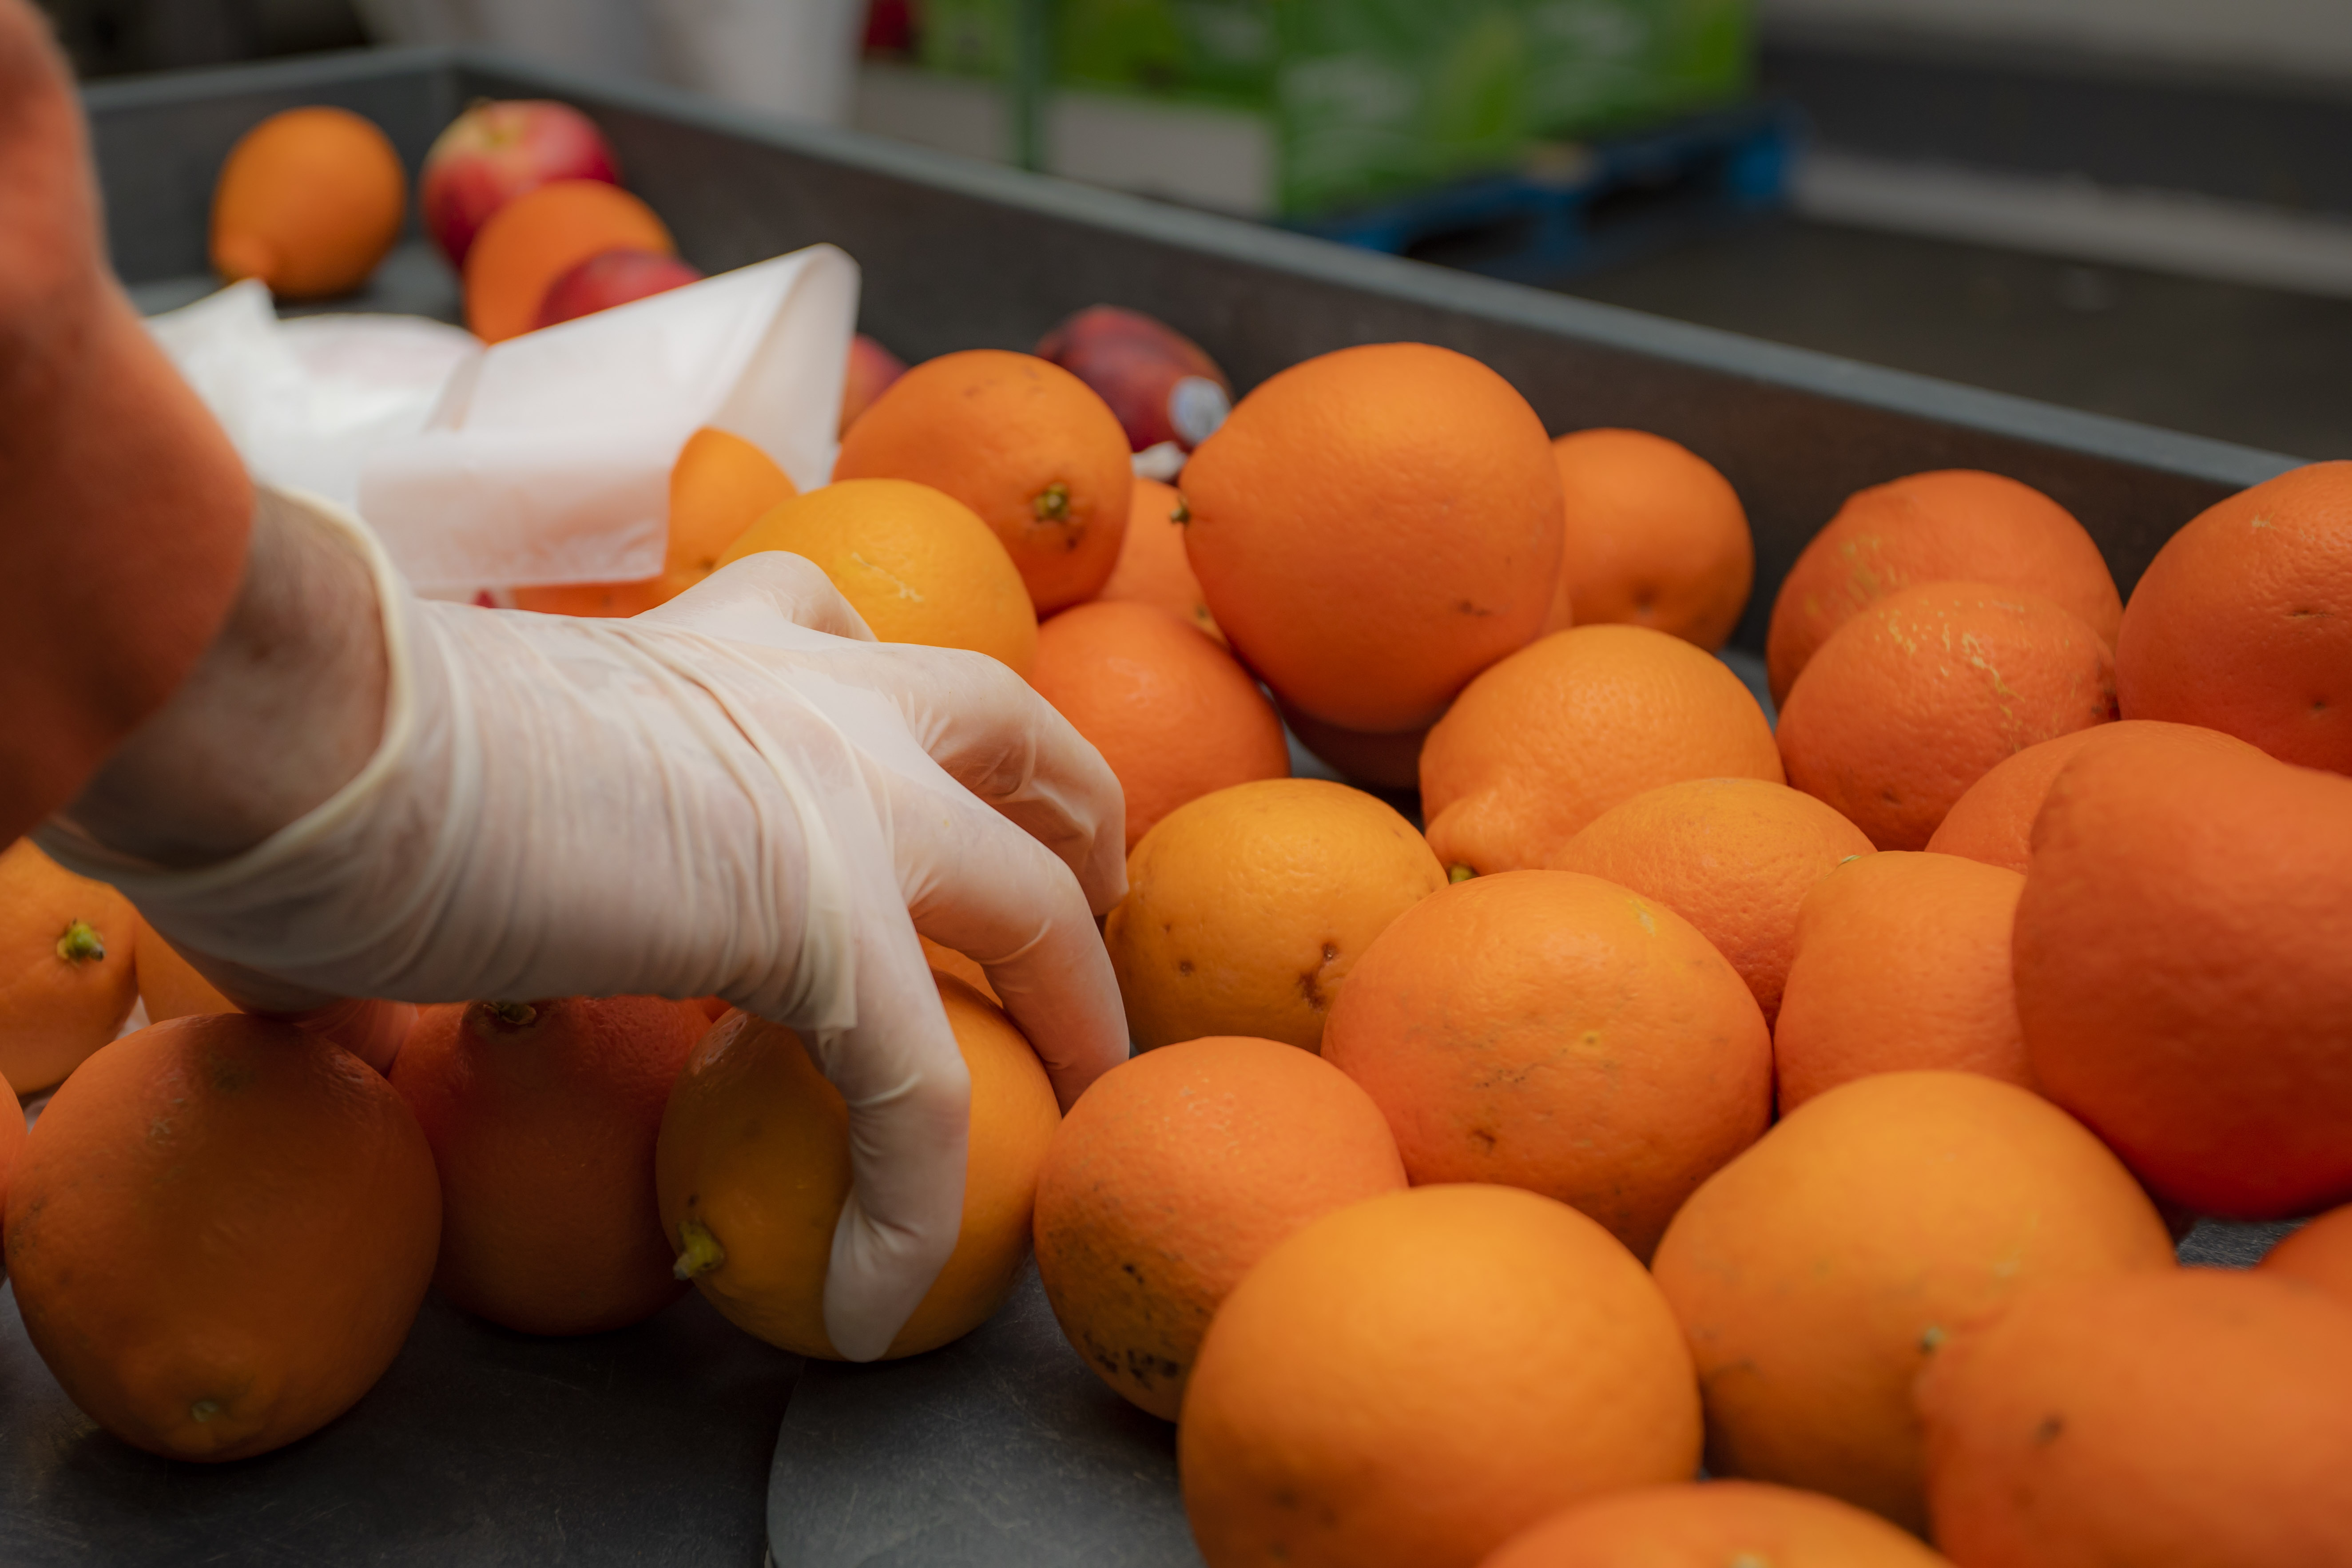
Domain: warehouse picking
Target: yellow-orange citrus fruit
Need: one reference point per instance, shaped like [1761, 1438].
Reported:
[1152, 566]
[219, 1233]
[1246, 910]
[309, 201]
[1714, 1524]
[1375, 527]
[1953, 525]
[1173, 1174]
[1583, 720]
[1415, 1379]
[1655, 538]
[168, 983]
[1925, 692]
[1552, 1031]
[1377, 762]
[539, 235]
[1169, 709]
[2195, 1419]
[2318, 1254]
[1902, 962]
[916, 563]
[1734, 857]
[541, 1117]
[68, 967]
[1993, 821]
[1024, 444]
[719, 486]
[11, 1144]
[2180, 953]
[1816, 1273]
[752, 1168]
[2243, 621]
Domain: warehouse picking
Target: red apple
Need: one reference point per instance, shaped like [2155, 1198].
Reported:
[872, 369]
[493, 153]
[1163, 385]
[611, 278]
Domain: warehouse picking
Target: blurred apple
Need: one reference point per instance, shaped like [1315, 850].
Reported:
[872, 369]
[611, 278]
[1163, 385]
[496, 151]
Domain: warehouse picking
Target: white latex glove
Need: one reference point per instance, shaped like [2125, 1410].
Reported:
[740, 794]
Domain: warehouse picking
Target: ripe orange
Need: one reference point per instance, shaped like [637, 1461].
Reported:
[1378, 761]
[2192, 1418]
[1655, 538]
[1024, 444]
[540, 235]
[1734, 857]
[1152, 566]
[67, 974]
[1554, 1032]
[1247, 909]
[1169, 709]
[542, 1117]
[1173, 1174]
[1714, 1524]
[219, 1233]
[1954, 525]
[1817, 1271]
[1902, 962]
[1994, 820]
[2318, 1254]
[1375, 527]
[752, 1168]
[168, 983]
[719, 486]
[2180, 971]
[12, 1143]
[309, 201]
[916, 563]
[1584, 720]
[2243, 621]
[1920, 695]
[1418, 1377]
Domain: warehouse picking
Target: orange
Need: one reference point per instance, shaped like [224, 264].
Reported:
[219, 1232]
[2181, 976]
[1902, 962]
[1552, 1031]
[1585, 719]
[1734, 857]
[1417, 1378]
[949, 961]
[168, 983]
[1817, 1271]
[719, 487]
[1378, 761]
[1714, 1524]
[1152, 566]
[309, 201]
[1925, 692]
[753, 1169]
[916, 563]
[1024, 444]
[1169, 709]
[1955, 525]
[541, 1117]
[2243, 621]
[2318, 1254]
[540, 235]
[1375, 527]
[1994, 820]
[1655, 538]
[1246, 910]
[2195, 1419]
[1173, 1174]
[12, 1140]
[67, 978]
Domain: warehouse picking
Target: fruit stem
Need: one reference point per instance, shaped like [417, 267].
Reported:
[514, 1014]
[702, 1252]
[80, 943]
[1053, 503]
[1183, 512]
[1459, 873]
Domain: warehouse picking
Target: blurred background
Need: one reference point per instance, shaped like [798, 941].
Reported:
[2138, 207]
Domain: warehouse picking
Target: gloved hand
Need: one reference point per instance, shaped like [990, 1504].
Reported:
[740, 793]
